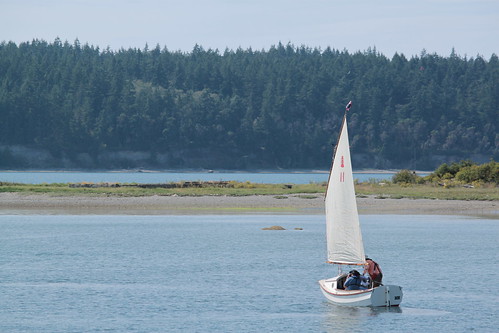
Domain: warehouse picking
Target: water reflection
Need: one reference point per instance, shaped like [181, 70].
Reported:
[351, 319]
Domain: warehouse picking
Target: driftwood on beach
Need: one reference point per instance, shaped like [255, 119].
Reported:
[183, 184]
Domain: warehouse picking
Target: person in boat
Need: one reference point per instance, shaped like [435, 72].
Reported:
[355, 281]
[372, 268]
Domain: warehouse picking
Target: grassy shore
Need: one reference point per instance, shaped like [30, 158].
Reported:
[427, 191]
[383, 190]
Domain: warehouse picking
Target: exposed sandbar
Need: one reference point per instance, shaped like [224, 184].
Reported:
[16, 203]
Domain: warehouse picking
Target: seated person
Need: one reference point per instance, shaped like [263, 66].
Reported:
[354, 281]
[365, 281]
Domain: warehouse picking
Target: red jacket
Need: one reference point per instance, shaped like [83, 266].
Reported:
[373, 268]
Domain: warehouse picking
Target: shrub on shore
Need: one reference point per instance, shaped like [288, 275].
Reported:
[467, 172]
[456, 174]
[405, 176]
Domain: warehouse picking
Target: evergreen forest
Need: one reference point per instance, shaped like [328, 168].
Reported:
[67, 105]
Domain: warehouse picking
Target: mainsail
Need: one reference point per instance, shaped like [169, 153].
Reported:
[344, 238]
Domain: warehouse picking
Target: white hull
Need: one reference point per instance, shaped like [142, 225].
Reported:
[389, 295]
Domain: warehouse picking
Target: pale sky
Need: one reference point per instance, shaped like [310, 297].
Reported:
[471, 27]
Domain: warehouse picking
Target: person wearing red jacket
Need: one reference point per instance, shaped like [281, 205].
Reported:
[374, 271]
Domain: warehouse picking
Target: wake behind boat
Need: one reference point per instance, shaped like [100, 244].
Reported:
[344, 238]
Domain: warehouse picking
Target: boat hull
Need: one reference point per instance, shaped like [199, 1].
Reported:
[389, 295]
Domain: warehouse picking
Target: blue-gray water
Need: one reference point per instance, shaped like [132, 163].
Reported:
[165, 177]
[225, 274]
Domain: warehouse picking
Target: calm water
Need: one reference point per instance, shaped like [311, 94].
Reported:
[224, 274]
[165, 177]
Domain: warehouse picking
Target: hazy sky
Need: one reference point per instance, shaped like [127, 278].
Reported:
[404, 26]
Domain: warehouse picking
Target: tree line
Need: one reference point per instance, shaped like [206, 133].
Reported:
[275, 108]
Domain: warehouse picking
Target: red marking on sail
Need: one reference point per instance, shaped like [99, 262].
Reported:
[342, 162]
[342, 177]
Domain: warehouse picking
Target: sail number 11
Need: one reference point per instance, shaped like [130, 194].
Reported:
[342, 174]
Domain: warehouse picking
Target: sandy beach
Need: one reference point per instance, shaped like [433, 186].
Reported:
[15, 203]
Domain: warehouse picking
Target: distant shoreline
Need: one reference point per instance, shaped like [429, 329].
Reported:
[43, 204]
[298, 171]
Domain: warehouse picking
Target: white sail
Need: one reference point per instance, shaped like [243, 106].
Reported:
[344, 238]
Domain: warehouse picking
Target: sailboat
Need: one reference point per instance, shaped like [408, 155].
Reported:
[345, 247]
